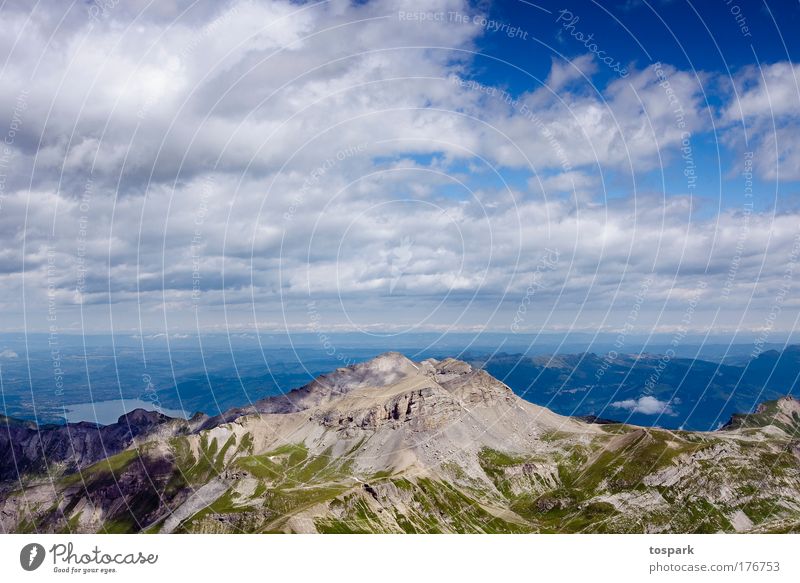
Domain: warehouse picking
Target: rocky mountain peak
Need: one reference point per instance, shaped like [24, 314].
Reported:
[782, 414]
[384, 370]
[387, 362]
[142, 418]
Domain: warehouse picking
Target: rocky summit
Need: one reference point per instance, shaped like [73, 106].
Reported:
[392, 445]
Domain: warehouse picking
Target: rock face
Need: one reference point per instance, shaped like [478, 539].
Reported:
[782, 414]
[384, 370]
[391, 445]
[26, 448]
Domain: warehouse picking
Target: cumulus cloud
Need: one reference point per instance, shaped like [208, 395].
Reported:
[762, 117]
[767, 91]
[562, 73]
[229, 164]
[646, 405]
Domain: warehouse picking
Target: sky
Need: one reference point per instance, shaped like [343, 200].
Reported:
[388, 167]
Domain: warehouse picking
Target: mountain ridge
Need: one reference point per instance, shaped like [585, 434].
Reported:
[396, 446]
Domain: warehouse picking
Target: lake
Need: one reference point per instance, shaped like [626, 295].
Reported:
[108, 412]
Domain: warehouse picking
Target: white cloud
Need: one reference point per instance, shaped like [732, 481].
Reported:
[766, 91]
[203, 131]
[646, 405]
[763, 116]
[562, 73]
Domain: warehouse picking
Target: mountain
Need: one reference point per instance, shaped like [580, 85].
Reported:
[392, 445]
[783, 414]
[685, 391]
[682, 393]
[27, 449]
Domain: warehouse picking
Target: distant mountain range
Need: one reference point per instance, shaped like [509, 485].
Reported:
[392, 445]
[649, 389]
[695, 388]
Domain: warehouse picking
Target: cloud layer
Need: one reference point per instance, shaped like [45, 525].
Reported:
[278, 165]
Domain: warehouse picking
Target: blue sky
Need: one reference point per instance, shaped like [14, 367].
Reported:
[718, 38]
[393, 166]
[690, 35]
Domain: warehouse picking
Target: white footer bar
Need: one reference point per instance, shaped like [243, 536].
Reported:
[401, 558]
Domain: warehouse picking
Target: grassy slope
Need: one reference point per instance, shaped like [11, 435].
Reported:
[584, 493]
